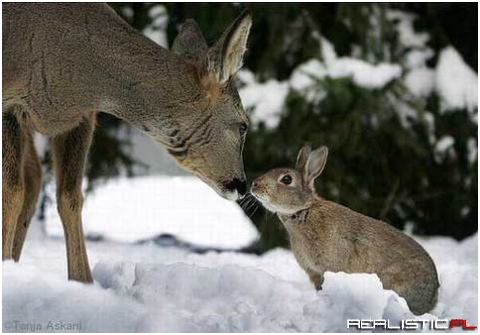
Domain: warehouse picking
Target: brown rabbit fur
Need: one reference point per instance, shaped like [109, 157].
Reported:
[326, 236]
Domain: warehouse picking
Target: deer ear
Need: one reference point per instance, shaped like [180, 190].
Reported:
[190, 42]
[302, 158]
[225, 58]
[315, 165]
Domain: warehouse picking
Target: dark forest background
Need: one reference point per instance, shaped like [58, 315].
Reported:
[388, 171]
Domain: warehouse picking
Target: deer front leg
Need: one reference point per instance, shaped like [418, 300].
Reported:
[69, 154]
[12, 180]
[316, 278]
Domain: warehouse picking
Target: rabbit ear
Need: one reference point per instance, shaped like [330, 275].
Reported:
[302, 158]
[315, 164]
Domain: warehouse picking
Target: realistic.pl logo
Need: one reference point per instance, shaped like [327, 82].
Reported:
[439, 324]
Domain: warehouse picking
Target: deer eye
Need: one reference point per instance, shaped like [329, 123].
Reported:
[287, 179]
[243, 128]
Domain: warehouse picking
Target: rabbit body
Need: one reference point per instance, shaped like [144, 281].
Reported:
[331, 237]
[326, 236]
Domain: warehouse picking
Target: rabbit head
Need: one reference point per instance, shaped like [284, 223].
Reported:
[287, 191]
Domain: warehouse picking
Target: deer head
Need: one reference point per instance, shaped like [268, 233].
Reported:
[210, 133]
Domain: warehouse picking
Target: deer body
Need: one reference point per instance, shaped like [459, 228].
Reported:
[62, 75]
[65, 62]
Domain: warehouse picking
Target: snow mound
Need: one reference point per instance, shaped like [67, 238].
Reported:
[45, 298]
[158, 289]
[233, 298]
[130, 210]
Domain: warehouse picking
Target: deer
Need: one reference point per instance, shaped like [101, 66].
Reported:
[63, 63]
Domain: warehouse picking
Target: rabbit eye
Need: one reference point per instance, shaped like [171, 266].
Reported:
[287, 179]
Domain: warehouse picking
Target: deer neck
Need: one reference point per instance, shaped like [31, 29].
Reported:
[145, 84]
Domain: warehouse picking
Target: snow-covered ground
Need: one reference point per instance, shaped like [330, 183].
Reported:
[148, 288]
[141, 208]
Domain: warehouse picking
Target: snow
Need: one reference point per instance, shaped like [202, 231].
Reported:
[472, 149]
[307, 74]
[453, 80]
[363, 74]
[127, 12]
[444, 143]
[147, 288]
[327, 50]
[442, 147]
[306, 80]
[405, 28]
[456, 82]
[155, 158]
[429, 120]
[157, 30]
[265, 99]
[404, 111]
[129, 210]
[418, 57]
[420, 81]
[245, 76]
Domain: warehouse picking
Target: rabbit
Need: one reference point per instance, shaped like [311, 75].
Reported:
[326, 236]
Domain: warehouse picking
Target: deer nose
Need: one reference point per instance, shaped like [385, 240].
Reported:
[237, 184]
